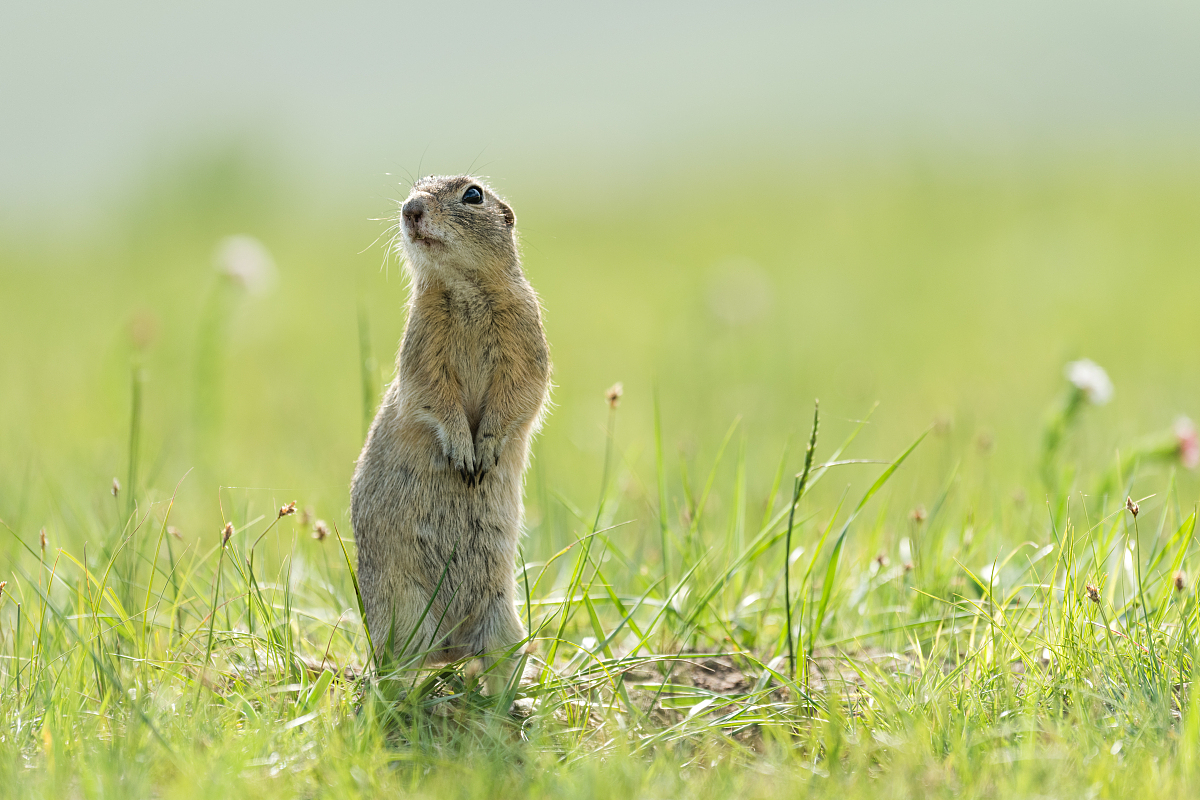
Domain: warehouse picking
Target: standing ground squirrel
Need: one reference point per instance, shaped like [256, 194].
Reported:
[436, 495]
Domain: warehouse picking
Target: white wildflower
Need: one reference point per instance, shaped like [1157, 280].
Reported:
[247, 262]
[1091, 379]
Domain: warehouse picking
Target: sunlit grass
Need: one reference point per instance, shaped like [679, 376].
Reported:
[200, 669]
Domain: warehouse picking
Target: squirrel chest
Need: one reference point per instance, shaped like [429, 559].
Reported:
[468, 324]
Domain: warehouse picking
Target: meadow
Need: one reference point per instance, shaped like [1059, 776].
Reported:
[962, 575]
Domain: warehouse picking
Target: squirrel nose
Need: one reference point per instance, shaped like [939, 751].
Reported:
[413, 209]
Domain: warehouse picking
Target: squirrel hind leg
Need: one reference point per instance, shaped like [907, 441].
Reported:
[403, 632]
[500, 647]
[499, 674]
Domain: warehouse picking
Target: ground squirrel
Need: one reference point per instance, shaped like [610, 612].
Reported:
[436, 495]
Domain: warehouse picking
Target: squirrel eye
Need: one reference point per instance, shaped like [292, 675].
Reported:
[473, 196]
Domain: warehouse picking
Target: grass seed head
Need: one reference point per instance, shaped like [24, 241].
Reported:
[918, 514]
[320, 530]
[1093, 593]
[613, 395]
[1131, 506]
[116, 487]
[3, 584]
[226, 532]
[1180, 580]
[42, 537]
[143, 329]
[172, 530]
[288, 510]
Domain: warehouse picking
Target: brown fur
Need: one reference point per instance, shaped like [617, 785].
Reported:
[436, 495]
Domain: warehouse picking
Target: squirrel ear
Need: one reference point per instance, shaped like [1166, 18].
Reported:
[510, 219]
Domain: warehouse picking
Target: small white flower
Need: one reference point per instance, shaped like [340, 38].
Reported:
[1091, 379]
[247, 262]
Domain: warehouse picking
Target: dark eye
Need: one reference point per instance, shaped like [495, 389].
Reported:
[473, 196]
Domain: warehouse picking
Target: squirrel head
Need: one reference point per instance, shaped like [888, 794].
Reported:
[455, 226]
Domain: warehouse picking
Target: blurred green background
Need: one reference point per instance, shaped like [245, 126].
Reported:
[931, 208]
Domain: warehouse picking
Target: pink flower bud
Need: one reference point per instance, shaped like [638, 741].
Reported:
[1189, 442]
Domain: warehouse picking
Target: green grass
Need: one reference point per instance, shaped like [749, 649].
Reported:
[937, 554]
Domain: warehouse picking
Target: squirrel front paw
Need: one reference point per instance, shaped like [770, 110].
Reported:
[487, 452]
[460, 453]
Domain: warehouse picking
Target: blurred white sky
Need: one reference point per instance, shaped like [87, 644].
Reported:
[92, 92]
